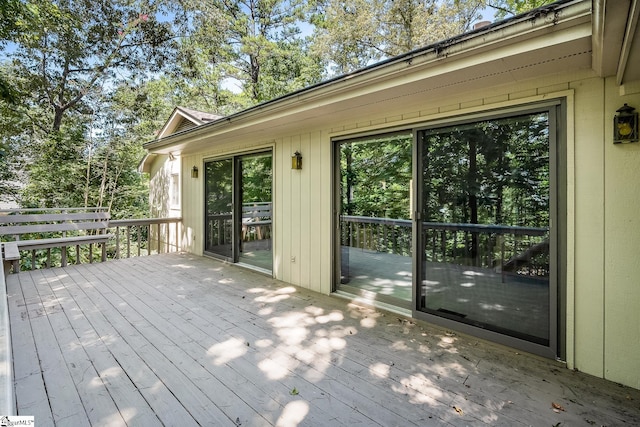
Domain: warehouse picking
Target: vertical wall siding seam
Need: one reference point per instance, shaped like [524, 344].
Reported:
[604, 234]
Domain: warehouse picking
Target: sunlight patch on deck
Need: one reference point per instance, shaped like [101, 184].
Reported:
[277, 368]
[227, 351]
[293, 414]
[379, 370]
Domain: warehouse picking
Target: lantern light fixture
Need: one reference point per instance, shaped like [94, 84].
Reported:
[296, 160]
[625, 125]
[194, 172]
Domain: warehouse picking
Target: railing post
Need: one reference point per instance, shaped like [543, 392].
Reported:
[128, 241]
[177, 235]
[117, 242]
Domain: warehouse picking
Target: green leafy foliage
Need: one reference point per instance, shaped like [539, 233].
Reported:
[88, 81]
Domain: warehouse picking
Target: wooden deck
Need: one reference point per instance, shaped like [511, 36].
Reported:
[179, 340]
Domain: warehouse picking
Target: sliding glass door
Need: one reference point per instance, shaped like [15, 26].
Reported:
[219, 212]
[238, 217]
[459, 223]
[485, 248]
[375, 217]
[256, 210]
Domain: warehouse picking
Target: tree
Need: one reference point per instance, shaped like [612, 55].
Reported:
[246, 41]
[506, 8]
[62, 70]
[353, 34]
[68, 55]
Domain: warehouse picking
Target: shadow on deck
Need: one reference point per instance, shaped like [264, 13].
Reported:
[176, 339]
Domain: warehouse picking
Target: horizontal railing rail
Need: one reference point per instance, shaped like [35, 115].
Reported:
[139, 236]
[514, 249]
[127, 238]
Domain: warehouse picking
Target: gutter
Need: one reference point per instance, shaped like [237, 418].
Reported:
[524, 25]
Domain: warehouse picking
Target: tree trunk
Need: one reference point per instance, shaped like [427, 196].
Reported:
[472, 186]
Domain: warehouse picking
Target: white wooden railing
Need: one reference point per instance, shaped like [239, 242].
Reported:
[7, 401]
[127, 238]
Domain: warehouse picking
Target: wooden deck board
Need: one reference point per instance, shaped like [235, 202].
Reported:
[182, 340]
[131, 405]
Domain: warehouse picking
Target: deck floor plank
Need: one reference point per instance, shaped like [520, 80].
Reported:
[176, 345]
[182, 340]
[345, 386]
[201, 336]
[131, 349]
[44, 313]
[350, 377]
[30, 392]
[96, 399]
[130, 403]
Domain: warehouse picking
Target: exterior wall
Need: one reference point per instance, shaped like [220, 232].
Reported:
[160, 187]
[621, 248]
[160, 202]
[602, 223]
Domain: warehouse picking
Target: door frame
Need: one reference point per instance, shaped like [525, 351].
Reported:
[556, 349]
[557, 109]
[236, 158]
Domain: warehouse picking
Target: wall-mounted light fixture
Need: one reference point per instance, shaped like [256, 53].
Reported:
[296, 160]
[194, 172]
[625, 125]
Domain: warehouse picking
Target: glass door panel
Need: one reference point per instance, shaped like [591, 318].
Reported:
[219, 208]
[374, 218]
[255, 189]
[485, 225]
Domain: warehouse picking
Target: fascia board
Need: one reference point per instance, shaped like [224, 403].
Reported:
[631, 35]
[174, 120]
[170, 124]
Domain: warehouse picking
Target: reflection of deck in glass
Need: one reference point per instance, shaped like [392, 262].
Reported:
[491, 276]
[476, 295]
[257, 253]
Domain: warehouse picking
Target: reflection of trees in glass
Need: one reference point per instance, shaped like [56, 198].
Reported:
[490, 172]
[375, 176]
[256, 178]
[219, 186]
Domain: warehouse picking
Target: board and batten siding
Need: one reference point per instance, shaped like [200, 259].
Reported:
[300, 222]
[602, 227]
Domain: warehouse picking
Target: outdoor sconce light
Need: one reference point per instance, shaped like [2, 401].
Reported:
[625, 125]
[194, 172]
[296, 160]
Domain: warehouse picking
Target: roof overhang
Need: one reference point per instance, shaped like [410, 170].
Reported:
[616, 40]
[543, 42]
[179, 114]
[145, 164]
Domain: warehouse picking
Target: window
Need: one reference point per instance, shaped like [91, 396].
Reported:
[174, 191]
